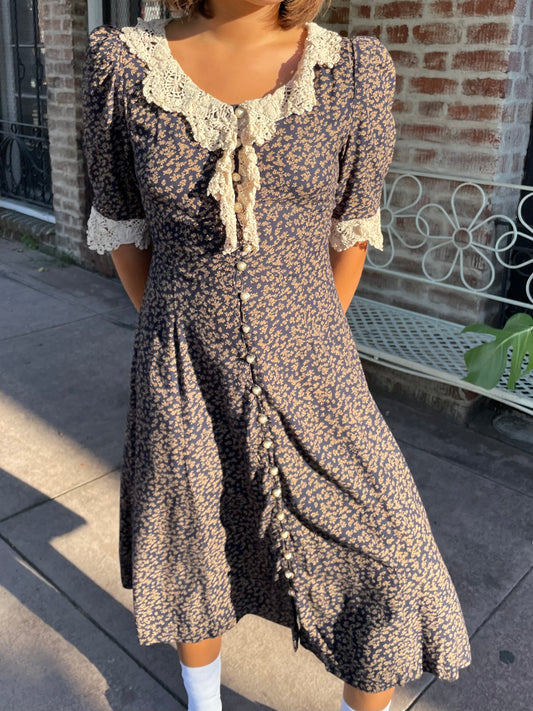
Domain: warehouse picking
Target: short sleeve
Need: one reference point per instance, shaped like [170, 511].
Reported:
[367, 152]
[117, 215]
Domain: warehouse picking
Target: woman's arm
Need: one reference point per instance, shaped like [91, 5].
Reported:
[347, 266]
[132, 265]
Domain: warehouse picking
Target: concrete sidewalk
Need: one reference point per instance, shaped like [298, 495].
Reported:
[68, 641]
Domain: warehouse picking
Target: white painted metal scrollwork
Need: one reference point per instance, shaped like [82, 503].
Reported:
[442, 227]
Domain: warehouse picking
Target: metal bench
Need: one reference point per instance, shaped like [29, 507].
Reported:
[483, 230]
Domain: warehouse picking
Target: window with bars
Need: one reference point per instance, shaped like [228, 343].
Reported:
[25, 173]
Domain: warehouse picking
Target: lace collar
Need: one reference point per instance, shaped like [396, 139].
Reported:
[218, 125]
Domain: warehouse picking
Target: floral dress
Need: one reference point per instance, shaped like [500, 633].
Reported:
[258, 474]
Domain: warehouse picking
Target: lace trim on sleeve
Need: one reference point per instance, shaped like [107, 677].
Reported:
[345, 233]
[104, 234]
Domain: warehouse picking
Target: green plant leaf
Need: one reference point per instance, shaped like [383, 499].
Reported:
[486, 363]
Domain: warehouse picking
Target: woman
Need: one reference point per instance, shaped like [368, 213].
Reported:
[237, 155]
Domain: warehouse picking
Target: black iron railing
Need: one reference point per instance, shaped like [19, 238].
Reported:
[25, 163]
[24, 150]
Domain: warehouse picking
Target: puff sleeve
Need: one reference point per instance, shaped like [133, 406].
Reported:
[366, 155]
[117, 214]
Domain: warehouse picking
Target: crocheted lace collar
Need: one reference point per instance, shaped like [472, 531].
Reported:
[218, 125]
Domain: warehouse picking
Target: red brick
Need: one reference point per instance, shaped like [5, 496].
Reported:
[469, 161]
[401, 153]
[435, 60]
[509, 113]
[521, 89]
[362, 11]
[400, 107]
[399, 83]
[52, 24]
[424, 132]
[488, 33]
[404, 59]
[479, 136]
[480, 112]
[338, 15]
[424, 155]
[431, 109]
[516, 136]
[484, 87]
[78, 8]
[521, 8]
[516, 62]
[60, 54]
[369, 32]
[486, 8]
[62, 40]
[503, 165]
[437, 33]
[433, 85]
[483, 60]
[400, 9]
[524, 113]
[527, 36]
[442, 8]
[398, 34]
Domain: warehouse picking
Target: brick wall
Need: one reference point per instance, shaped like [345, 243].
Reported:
[463, 107]
[464, 90]
[64, 32]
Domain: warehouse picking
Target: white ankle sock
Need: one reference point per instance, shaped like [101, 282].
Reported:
[345, 707]
[202, 685]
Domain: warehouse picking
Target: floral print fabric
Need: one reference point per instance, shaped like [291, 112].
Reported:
[259, 476]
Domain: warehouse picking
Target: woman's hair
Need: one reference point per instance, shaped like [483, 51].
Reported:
[291, 12]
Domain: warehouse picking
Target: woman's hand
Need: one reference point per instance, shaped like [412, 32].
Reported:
[347, 267]
[132, 265]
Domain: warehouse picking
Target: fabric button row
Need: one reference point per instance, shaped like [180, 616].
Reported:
[267, 442]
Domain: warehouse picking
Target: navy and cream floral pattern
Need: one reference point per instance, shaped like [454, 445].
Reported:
[258, 475]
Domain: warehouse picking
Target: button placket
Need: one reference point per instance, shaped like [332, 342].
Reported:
[267, 445]
[267, 442]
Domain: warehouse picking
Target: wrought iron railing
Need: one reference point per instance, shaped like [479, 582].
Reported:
[25, 163]
[453, 248]
[471, 236]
